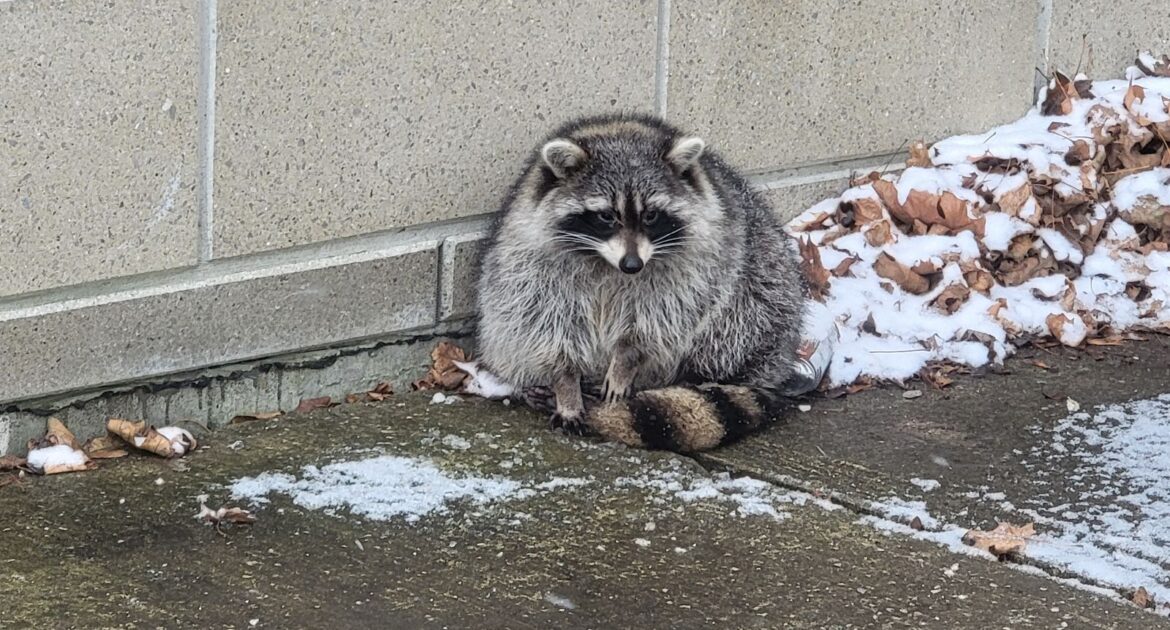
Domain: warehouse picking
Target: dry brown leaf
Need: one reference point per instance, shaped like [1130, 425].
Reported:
[145, 437]
[879, 234]
[890, 269]
[1014, 274]
[1003, 540]
[979, 279]
[916, 524]
[925, 267]
[380, 392]
[352, 398]
[230, 515]
[919, 155]
[936, 377]
[1009, 326]
[1080, 153]
[104, 447]
[57, 433]
[1105, 341]
[867, 178]
[951, 299]
[1159, 67]
[815, 223]
[1142, 598]
[1057, 322]
[842, 267]
[998, 165]
[1012, 201]
[1040, 364]
[1148, 211]
[858, 212]
[12, 462]
[1134, 94]
[860, 386]
[943, 214]
[814, 270]
[1059, 96]
[259, 415]
[309, 404]
[444, 373]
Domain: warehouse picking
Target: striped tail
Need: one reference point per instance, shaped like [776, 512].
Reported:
[686, 419]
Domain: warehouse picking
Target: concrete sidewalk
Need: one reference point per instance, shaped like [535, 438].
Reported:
[543, 530]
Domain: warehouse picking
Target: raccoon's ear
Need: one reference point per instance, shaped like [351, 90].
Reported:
[562, 156]
[685, 153]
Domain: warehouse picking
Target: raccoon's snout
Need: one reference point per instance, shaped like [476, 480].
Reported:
[630, 263]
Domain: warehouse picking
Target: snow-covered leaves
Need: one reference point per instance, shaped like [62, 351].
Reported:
[57, 452]
[164, 441]
[1054, 226]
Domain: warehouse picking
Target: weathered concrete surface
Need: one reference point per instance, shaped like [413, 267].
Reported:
[119, 548]
[211, 398]
[978, 438]
[214, 317]
[98, 132]
[1102, 38]
[779, 84]
[336, 120]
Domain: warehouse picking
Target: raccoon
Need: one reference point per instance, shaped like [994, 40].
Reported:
[631, 255]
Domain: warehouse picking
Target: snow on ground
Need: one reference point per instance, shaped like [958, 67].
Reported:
[1055, 225]
[1117, 527]
[384, 487]
[749, 496]
[380, 488]
[1105, 519]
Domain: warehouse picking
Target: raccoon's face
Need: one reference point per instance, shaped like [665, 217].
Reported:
[626, 198]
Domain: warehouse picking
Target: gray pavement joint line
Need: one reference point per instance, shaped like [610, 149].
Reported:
[865, 507]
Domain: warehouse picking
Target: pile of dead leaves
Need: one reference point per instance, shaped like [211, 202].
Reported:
[1070, 204]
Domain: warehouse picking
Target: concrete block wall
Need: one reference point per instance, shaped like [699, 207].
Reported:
[188, 185]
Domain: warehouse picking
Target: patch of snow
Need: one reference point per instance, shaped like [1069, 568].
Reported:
[483, 383]
[380, 488]
[1114, 535]
[455, 442]
[59, 455]
[903, 511]
[1118, 531]
[560, 601]
[927, 485]
[751, 497]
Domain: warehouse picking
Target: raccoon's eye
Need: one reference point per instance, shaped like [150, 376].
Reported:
[605, 218]
[650, 217]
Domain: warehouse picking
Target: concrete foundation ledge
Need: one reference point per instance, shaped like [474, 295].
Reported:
[207, 399]
[224, 312]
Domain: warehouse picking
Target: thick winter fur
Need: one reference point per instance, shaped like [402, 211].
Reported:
[629, 254]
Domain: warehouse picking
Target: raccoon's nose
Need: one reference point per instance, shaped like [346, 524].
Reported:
[630, 263]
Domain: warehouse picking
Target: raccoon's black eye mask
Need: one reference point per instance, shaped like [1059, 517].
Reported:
[596, 225]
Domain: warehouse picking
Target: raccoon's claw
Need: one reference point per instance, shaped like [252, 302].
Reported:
[539, 398]
[570, 425]
[617, 395]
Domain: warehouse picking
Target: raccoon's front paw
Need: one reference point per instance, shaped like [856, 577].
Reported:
[616, 393]
[539, 398]
[571, 425]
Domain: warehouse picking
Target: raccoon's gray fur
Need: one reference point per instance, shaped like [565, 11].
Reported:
[630, 254]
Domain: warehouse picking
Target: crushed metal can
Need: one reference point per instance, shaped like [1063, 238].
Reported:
[819, 337]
